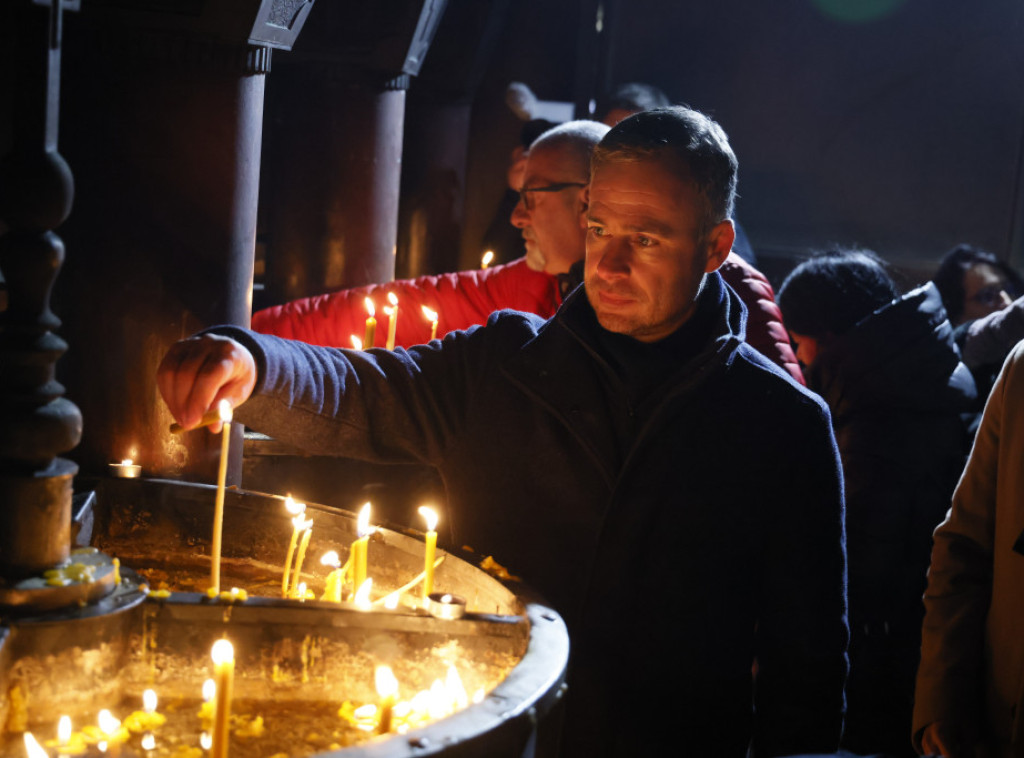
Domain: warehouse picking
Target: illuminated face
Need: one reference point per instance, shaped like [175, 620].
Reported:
[550, 208]
[645, 266]
[806, 348]
[986, 291]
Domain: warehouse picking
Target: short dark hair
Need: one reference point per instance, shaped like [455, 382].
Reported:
[635, 97]
[949, 276]
[832, 292]
[688, 143]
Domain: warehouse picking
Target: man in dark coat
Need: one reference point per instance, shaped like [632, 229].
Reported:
[675, 495]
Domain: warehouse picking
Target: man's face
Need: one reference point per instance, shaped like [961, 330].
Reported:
[552, 221]
[986, 290]
[644, 266]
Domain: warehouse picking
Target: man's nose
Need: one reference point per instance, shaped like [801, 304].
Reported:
[614, 258]
[520, 216]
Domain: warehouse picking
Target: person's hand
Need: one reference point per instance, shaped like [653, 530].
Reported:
[942, 738]
[199, 372]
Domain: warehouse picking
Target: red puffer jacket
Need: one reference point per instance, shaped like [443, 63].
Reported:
[466, 298]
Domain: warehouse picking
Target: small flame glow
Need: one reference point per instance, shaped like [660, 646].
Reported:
[209, 690]
[149, 701]
[64, 730]
[437, 706]
[367, 711]
[387, 685]
[292, 507]
[393, 299]
[391, 601]
[370, 309]
[362, 598]
[389, 311]
[126, 461]
[107, 722]
[301, 523]
[330, 558]
[224, 411]
[485, 261]
[148, 741]
[222, 652]
[429, 314]
[205, 741]
[430, 516]
[33, 748]
[357, 344]
[363, 521]
[479, 695]
[456, 691]
[446, 598]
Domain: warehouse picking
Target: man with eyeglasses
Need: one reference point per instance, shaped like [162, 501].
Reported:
[550, 214]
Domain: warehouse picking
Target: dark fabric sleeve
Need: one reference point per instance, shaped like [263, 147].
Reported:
[802, 633]
[461, 300]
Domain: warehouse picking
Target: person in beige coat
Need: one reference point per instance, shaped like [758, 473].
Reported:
[969, 684]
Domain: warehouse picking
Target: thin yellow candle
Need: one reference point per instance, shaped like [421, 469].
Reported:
[430, 516]
[357, 344]
[431, 316]
[300, 558]
[387, 688]
[223, 655]
[332, 590]
[487, 258]
[224, 408]
[297, 526]
[392, 312]
[371, 324]
[359, 547]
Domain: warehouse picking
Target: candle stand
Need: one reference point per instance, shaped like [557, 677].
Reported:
[296, 662]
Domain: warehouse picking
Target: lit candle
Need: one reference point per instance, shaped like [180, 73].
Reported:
[126, 469]
[431, 316]
[430, 516]
[358, 551]
[362, 596]
[332, 591]
[392, 312]
[111, 731]
[387, 688]
[357, 344]
[33, 748]
[300, 558]
[223, 655]
[371, 325]
[297, 526]
[224, 408]
[487, 258]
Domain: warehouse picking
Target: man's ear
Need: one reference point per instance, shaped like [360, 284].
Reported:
[719, 244]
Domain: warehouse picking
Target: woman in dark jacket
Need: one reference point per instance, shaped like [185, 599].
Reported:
[889, 370]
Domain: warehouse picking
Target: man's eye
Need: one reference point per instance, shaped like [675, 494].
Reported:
[597, 231]
[644, 241]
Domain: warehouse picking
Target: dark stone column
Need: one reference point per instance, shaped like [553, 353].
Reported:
[36, 422]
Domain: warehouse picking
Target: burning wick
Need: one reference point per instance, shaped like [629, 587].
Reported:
[371, 325]
[358, 551]
[431, 316]
[430, 516]
[223, 655]
[297, 509]
[387, 688]
[487, 258]
[392, 312]
[126, 469]
[224, 411]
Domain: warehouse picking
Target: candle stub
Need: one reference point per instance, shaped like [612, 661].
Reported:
[126, 469]
[443, 605]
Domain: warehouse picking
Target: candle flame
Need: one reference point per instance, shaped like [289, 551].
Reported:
[64, 730]
[108, 723]
[389, 311]
[362, 598]
[209, 690]
[367, 711]
[357, 344]
[301, 523]
[430, 315]
[369, 307]
[222, 652]
[224, 410]
[479, 695]
[292, 507]
[485, 261]
[393, 299]
[149, 701]
[446, 598]
[430, 516]
[391, 601]
[33, 748]
[330, 558]
[126, 461]
[205, 741]
[300, 591]
[438, 704]
[148, 741]
[387, 684]
[456, 691]
[363, 521]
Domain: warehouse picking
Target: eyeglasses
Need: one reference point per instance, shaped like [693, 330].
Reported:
[524, 193]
